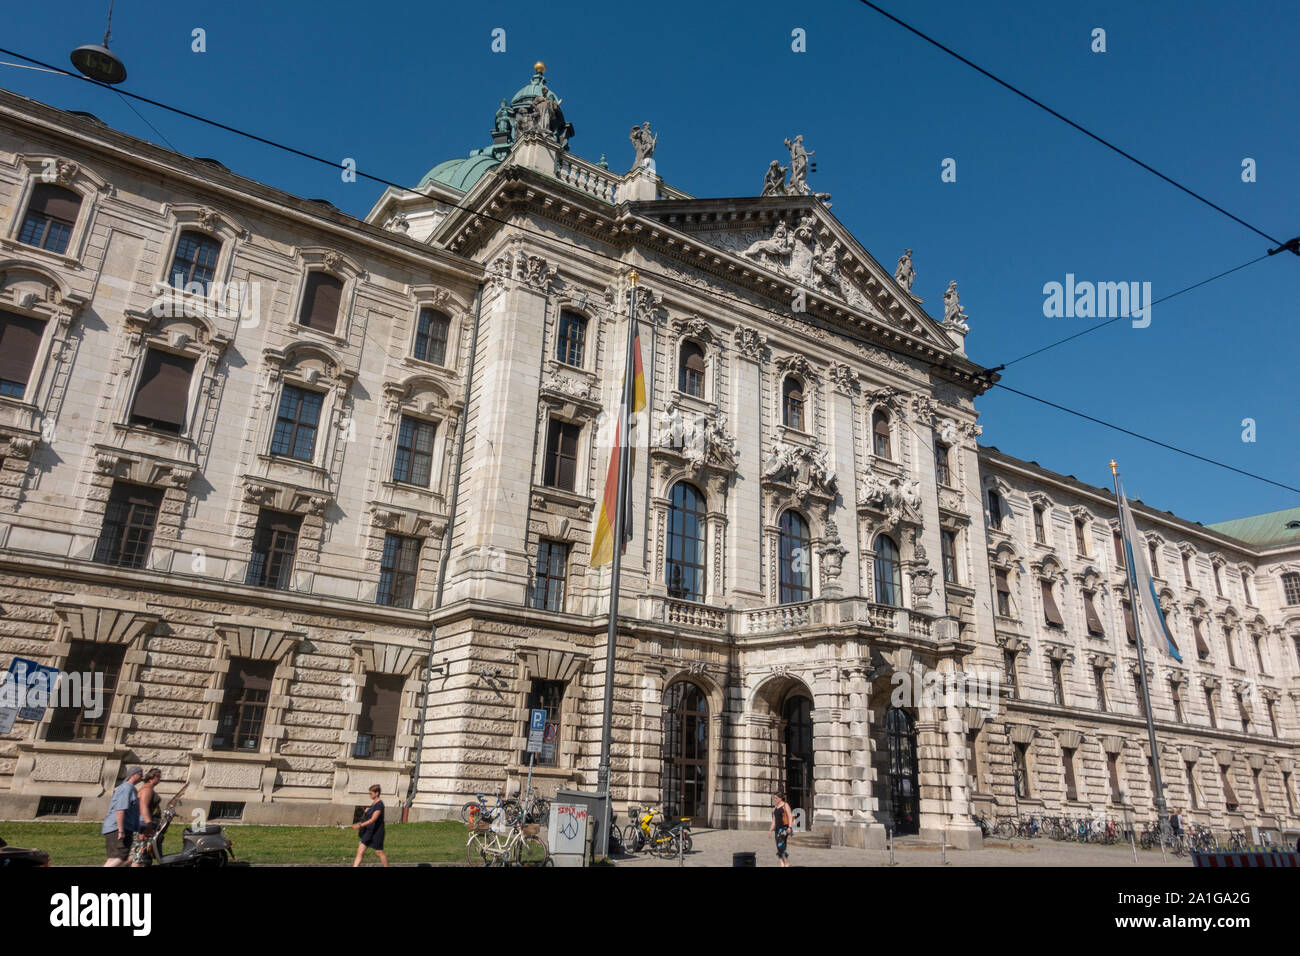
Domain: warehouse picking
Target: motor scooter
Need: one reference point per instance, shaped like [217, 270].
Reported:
[205, 846]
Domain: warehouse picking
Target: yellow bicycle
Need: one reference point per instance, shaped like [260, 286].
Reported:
[657, 836]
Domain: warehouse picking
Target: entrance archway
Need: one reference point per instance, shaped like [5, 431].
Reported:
[797, 714]
[903, 790]
[686, 751]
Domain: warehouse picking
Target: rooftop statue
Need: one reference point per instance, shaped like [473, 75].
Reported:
[644, 142]
[502, 121]
[798, 167]
[952, 313]
[904, 274]
[774, 180]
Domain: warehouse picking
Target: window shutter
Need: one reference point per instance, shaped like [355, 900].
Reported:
[20, 337]
[1202, 649]
[1128, 622]
[1230, 795]
[1090, 613]
[55, 202]
[1050, 610]
[320, 302]
[164, 391]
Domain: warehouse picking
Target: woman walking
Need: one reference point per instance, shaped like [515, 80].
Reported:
[781, 819]
[150, 804]
[371, 829]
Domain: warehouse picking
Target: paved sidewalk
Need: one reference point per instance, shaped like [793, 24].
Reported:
[715, 847]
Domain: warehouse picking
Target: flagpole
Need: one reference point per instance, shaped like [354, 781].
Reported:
[1162, 812]
[611, 635]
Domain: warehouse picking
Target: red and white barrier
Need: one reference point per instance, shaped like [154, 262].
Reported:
[1243, 859]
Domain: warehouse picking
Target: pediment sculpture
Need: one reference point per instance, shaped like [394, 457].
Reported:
[898, 498]
[701, 440]
[804, 469]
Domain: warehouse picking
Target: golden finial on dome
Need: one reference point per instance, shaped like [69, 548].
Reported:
[539, 67]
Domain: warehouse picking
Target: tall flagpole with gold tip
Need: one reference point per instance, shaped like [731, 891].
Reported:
[1162, 812]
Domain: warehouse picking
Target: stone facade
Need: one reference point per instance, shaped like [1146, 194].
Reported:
[756, 650]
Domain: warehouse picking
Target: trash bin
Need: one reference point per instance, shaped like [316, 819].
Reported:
[744, 859]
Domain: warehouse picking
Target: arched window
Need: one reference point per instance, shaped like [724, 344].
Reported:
[792, 403]
[195, 260]
[889, 573]
[796, 559]
[686, 543]
[690, 370]
[572, 339]
[880, 433]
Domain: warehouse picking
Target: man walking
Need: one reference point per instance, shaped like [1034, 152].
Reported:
[122, 819]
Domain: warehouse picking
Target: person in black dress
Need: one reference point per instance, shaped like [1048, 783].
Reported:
[371, 829]
[781, 821]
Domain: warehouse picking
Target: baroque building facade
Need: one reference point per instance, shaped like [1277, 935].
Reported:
[314, 497]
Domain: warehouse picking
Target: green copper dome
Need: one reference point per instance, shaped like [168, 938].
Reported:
[461, 174]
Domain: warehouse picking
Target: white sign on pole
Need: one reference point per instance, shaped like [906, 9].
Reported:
[536, 730]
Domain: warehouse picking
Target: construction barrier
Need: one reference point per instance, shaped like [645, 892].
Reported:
[1242, 858]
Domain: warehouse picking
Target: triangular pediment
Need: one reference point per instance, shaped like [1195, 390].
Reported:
[798, 240]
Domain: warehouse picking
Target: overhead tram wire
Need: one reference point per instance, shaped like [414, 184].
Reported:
[733, 300]
[1102, 325]
[1082, 129]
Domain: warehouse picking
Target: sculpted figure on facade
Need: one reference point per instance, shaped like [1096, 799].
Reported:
[643, 141]
[798, 167]
[952, 311]
[899, 499]
[777, 248]
[774, 180]
[904, 273]
[806, 470]
[832, 554]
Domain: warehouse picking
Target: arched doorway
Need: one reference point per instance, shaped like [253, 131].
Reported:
[797, 714]
[904, 794]
[686, 751]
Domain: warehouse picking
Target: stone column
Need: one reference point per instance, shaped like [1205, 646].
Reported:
[745, 501]
[844, 510]
[962, 830]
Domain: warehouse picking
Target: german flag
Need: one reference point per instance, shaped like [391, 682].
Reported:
[602, 545]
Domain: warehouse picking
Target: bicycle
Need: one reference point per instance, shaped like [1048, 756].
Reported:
[478, 809]
[657, 836]
[1237, 840]
[505, 845]
[538, 810]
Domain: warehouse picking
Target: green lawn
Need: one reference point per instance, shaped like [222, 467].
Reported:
[79, 844]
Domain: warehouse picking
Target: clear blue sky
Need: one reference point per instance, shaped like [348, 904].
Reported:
[1190, 87]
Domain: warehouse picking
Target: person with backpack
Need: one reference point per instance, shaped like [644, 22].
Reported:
[782, 819]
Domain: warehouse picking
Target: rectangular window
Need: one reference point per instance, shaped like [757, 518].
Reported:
[1120, 562]
[1259, 652]
[1246, 588]
[129, 521]
[941, 473]
[51, 214]
[573, 334]
[1129, 630]
[1271, 706]
[1290, 793]
[381, 705]
[20, 338]
[243, 709]
[1112, 768]
[995, 510]
[1229, 638]
[1193, 791]
[1040, 532]
[1209, 708]
[1218, 581]
[296, 423]
[320, 302]
[1051, 613]
[163, 396]
[1244, 712]
[1155, 560]
[1259, 791]
[431, 337]
[275, 542]
[972, 759]
[1290, 582]
[58, 806]
[413, 462]
[85, 660]
[1021, 756]
[398, 569]
[561, 465]
[1090, 615]
[195, 262]
[1176, 695]
[1058, 683]
[1081, 536]
[1071, 788]
[548, 585]
[1141, 698]
[1099, 679]
[545, 695]
[1009, 665]
[948, 548]
[1202, 649]
[1229, 795]
[1187, 569]
[1004, 592]
[226, 810]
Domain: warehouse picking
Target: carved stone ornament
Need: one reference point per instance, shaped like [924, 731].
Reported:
[397, 223]
[567, 385]
[105, 464]
[21, 446]
[805, 470]
[749, 342]
[330, 260]
[702, 441]
[498, 271]
[845, 379]
[534, 272]
[898, 499]
[208, 218]
[832, 554]
[797, 364]
[65, 171]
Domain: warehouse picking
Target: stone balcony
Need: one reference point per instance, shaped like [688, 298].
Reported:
[853, 612]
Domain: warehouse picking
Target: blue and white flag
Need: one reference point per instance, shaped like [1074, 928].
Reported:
[1148, 617]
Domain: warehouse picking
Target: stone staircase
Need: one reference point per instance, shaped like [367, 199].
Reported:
[812, 840]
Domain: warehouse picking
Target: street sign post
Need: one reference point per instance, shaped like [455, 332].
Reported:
[536, 735]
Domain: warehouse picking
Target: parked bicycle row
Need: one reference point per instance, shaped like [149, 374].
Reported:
[1108, 831]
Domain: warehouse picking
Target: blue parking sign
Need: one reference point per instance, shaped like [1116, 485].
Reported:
[536, 730]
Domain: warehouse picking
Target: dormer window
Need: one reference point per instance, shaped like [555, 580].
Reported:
[690, 370]
[792, 403]
[195, 262]
[320, 302]
[51, 215]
